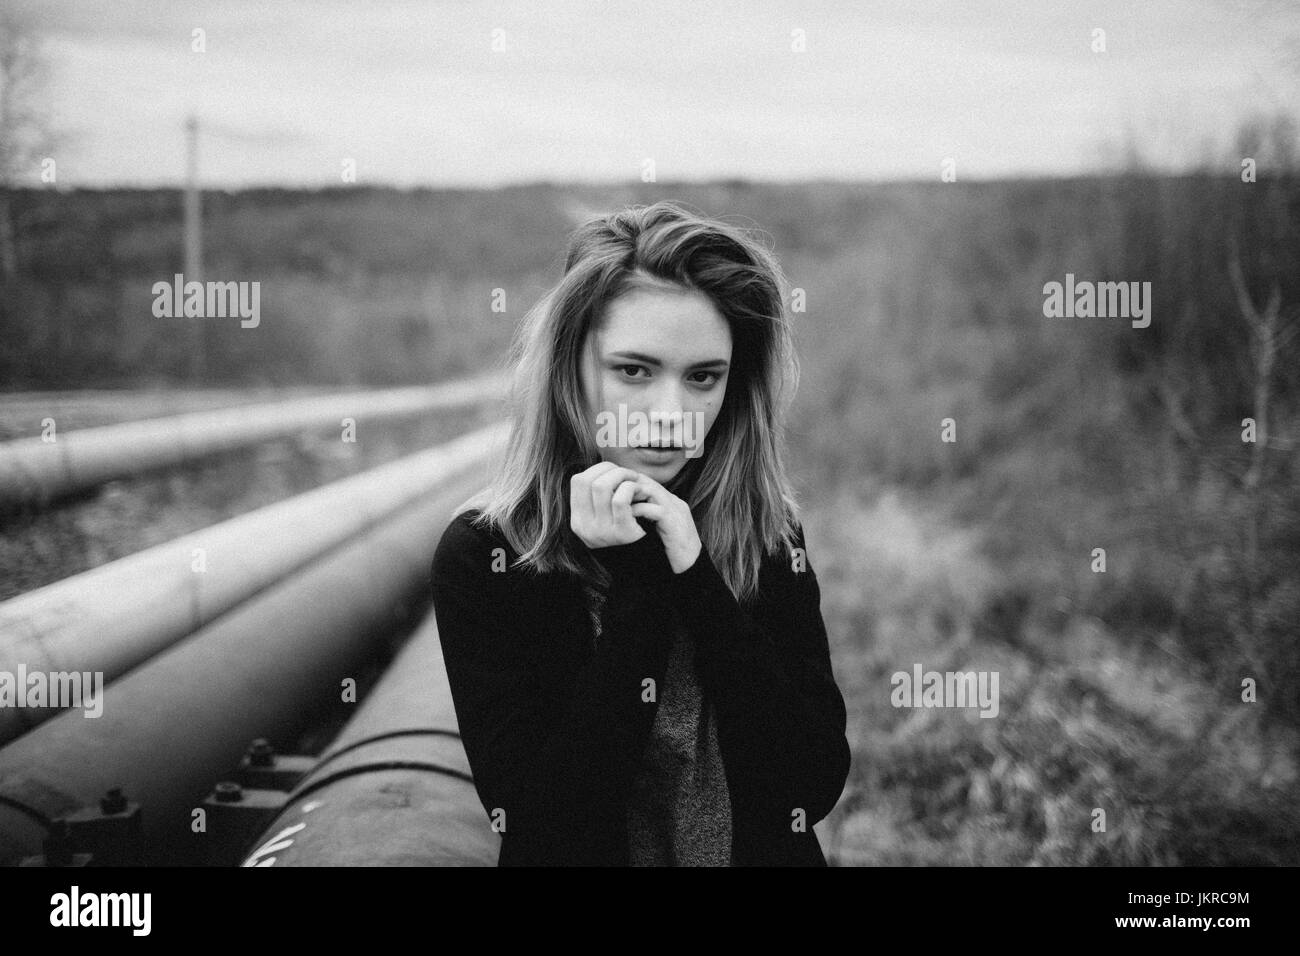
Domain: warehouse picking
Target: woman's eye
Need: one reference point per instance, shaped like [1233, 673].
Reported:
[710, 378]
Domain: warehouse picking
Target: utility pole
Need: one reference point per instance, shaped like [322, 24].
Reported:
[194, 243]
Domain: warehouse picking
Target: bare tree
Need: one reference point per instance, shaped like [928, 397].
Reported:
[1267, 341]
[24, 122]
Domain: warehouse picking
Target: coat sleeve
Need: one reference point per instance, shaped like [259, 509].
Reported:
[558, 759]
[781, 715]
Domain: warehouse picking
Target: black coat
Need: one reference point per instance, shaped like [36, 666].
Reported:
[553, 720]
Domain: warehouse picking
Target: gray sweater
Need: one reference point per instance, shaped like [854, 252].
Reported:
[679, 810]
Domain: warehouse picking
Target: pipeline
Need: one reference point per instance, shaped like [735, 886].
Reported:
[394, 788]
[112, 618]
[182, 719]
[39, 472]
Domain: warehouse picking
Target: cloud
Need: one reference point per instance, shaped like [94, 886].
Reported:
[464, 93]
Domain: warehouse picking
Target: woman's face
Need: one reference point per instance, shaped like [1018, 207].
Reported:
[655, 375]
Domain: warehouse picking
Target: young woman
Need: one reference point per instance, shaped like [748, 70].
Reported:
[630, 623]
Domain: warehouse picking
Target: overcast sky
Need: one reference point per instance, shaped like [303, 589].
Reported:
[482, 93]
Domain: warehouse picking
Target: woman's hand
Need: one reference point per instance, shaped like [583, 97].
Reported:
[600, 505]
[605, 501]
[673, 520]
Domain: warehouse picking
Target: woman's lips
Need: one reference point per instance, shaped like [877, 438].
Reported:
[656, 452]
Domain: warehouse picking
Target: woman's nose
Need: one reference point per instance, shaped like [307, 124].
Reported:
[665, 414]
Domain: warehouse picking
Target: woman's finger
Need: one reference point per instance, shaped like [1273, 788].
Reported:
[582, 495]
[604, 484]
[648, 510]
[582, 505]
[620, 502]
[610, 477]
[653, 490]
[579, 499]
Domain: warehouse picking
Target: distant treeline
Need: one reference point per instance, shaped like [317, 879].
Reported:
[380, 286]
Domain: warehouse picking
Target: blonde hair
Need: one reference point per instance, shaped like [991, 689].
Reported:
[739, 492]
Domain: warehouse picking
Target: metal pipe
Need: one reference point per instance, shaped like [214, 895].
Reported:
[36, 471]
[183, 719]
[394, 788]
[111, 618]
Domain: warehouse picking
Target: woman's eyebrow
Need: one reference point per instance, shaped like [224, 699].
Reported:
[651, 360]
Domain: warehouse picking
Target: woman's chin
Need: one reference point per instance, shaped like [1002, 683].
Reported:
[660, 468]
[662, 472]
